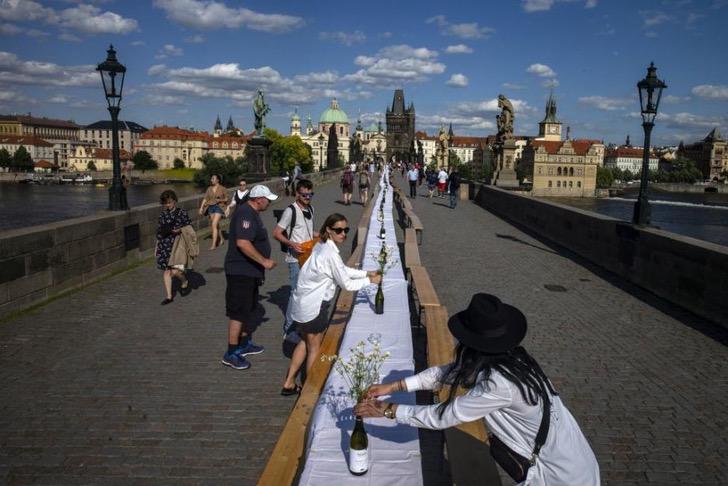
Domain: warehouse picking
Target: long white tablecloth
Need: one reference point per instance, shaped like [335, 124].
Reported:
[394, 450]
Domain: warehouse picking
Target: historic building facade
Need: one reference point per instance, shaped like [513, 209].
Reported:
[629, 158]
[100, 134]
[567, 168]
[710, 154]
[38, 148]
[100, 157]
[400, 128]
[318, 138]
[63, 134]
[372, 140]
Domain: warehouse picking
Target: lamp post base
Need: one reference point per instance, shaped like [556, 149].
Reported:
[642, 212]
[117, 198]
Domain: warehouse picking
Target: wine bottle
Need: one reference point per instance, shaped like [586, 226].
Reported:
[379, 300]
[381, 232]
[359, 449]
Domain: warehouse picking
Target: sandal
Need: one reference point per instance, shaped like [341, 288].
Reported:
[287, 392]
[166, 301]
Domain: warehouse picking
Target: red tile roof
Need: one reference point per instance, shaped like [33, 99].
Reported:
[104, 153]
[44, 164]
[581, 147]
[173, 133]
[41, 122]
[630, 152]
[24, 140]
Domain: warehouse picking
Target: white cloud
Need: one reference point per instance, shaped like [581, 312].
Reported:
[58, 99]
[467, 30]
[9, 29]
[164, 100]
[685, 120]
[138, 43]
[469, 123]
[457, 81]
[394, 65]
[346, 38]
[24, 11]
[84, 18]
[203, 14]
[541, 70]
[156, 69]
[488, 108]
[16, 71]
[68, 37]
[459, 49]
[195, 39]
[89, 19]
[169, 50]
[654, 18]
[530, 6]
[606, 104]
[550, 83]
[513, 86]
[675, 100]
[37, 33]
[716, 92]
[326, 77]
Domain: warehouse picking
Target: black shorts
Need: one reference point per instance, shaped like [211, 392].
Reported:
[319, 323]
[241, 297]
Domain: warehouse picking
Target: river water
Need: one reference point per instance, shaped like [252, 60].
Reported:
[702, 216]
[699, 215]
[23, 205]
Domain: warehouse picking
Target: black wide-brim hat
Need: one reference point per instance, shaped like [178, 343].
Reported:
[489, 325]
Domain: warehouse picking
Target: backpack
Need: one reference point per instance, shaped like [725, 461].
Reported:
[278, 213]
[348, 178]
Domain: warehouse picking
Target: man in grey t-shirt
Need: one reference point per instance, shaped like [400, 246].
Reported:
[292, 236]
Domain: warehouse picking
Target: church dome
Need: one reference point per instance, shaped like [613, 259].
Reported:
[334, 114]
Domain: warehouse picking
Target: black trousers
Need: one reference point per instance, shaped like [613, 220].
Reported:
[413, 188]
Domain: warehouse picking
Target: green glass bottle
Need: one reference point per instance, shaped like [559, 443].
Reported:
[379, 300]
[382, 233]
[359, 449]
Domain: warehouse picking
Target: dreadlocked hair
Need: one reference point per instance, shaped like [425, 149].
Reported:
[515, 365]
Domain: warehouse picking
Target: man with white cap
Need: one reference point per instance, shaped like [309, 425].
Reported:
[247, 259]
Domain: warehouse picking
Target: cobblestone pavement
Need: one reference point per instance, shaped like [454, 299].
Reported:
[105, 385]
[646, 381]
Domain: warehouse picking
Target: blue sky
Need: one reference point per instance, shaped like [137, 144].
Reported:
[190, 60]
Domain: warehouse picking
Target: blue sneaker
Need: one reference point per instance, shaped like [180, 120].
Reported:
[236, 361]
[250, 348]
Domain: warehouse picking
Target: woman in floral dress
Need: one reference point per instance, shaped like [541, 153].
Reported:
[171, 220]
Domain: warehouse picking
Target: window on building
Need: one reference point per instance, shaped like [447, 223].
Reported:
[571, 171]
[551, 183]
[571, 184]
[558, 171]
[341, 130]
[578, 183]
[558, 183]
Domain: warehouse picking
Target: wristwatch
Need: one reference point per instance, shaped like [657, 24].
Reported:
[389, 411]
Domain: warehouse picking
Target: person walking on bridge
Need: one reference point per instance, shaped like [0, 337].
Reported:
[171, 221]
[453, 183]
[412, 176]
[534, 437]
[246, 260]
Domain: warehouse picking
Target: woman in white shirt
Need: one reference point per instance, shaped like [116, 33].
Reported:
[314, 292]
[239, 197]
[507, 388]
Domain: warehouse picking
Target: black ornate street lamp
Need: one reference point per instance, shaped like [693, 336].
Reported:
[650, 90]
[112, 77]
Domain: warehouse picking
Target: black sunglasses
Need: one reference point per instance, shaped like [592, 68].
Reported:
[306, 194]
[339, 230]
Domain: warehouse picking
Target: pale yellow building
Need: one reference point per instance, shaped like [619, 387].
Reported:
[566, 168]
[710, 155]
[37, 147]
[101, 158]
[63, 134]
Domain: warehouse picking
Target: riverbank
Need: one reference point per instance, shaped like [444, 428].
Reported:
[676, 187]
[103, 176]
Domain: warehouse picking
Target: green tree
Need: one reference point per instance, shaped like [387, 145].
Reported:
[91, 166]
[179, 163]
[143, 161]
[22, 159]
[285, 151]
[228, 169]
[6, 160]
[452, 159]
[605, 178]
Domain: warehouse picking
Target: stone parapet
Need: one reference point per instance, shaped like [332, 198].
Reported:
[686, 271]
[41, 262]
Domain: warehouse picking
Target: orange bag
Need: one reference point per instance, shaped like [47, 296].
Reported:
[307, 247]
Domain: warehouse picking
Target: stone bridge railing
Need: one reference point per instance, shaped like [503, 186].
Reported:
[44, 261]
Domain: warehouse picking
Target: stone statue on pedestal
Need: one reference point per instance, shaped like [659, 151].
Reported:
[260, 109]
[505, 119]
[505, 147]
